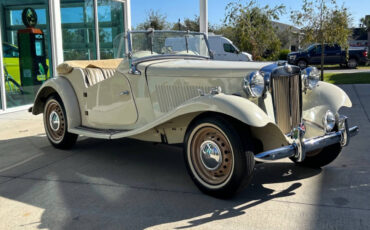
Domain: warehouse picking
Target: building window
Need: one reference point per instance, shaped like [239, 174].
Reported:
[111, 25]
[25, 54]
[78, 29]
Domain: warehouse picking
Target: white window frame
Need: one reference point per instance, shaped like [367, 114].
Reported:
[2, 76]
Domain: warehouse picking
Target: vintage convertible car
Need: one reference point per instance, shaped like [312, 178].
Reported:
[227, 114]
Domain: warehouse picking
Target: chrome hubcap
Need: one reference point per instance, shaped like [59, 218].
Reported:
[54, 121]
[210, 155]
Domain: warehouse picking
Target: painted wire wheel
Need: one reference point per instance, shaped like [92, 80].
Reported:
[211, 155]
[55, 123]
[218, 155]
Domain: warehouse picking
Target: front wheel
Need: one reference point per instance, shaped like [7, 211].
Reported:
[55, 123]
[302, 64]
[216, 157]
[322, 157]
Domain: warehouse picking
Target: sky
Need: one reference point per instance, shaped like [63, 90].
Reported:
[175, 9]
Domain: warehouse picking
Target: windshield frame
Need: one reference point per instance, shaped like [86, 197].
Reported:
[165, 56]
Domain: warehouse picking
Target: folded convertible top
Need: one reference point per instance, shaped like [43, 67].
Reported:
[68, 66]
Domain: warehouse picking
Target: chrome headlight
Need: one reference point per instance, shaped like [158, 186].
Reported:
[292, 57]
[329, 121]
[254, 84]
[310, 77]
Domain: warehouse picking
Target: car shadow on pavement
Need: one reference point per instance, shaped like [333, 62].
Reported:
[127, 184]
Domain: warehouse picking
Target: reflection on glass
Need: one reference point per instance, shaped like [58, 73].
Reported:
[158, 43]
[20, 90]
[78, 29]
[111, 25]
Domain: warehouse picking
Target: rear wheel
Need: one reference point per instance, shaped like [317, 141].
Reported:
[216, 158]
[55, 123]
[352, 63]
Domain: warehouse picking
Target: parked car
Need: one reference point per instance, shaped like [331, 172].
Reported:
[227, 115]
[223, 49]
[334, 54]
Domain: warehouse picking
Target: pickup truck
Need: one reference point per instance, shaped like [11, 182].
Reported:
[334, 54]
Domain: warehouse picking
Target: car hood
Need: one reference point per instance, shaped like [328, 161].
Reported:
[248, 55]
[294, 53]
[199, 68]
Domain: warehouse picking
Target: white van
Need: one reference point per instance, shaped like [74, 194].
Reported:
[224, 49]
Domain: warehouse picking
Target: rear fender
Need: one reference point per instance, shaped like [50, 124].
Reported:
[65, 91]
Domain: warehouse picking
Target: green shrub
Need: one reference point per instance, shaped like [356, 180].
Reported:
[283, 54]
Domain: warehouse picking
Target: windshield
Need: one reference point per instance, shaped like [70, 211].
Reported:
[158, 43]
[310, 47]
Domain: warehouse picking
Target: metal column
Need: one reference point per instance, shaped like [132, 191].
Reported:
[97, 32]
[203, 18]
[56, 39]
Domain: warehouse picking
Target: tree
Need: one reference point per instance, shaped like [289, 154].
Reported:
[154, 20]
[365, 23]
[253, 28]
[323, 22]
[190, 24]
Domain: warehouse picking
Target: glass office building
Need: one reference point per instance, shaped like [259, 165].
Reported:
[65, 30]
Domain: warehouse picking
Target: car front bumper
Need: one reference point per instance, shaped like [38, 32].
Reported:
[300, 146]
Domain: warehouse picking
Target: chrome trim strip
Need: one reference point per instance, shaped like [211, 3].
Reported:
[309, 145]
[167, 56]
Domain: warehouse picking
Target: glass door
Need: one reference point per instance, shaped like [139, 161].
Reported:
[25, 46]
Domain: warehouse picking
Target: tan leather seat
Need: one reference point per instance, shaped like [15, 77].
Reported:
[96, 75]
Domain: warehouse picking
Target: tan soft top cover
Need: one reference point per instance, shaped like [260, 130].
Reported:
[67, 67]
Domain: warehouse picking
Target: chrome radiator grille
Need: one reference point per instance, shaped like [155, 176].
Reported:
[287, 93]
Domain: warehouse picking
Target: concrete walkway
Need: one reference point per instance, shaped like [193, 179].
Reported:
[128, 184]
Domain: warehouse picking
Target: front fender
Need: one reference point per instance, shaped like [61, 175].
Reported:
[176, 122]
[64, 89]
[318, 101]
[234, 106]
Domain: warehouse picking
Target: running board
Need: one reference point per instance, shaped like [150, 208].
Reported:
[95, 133]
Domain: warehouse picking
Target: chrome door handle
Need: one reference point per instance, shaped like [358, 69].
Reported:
[126, 92]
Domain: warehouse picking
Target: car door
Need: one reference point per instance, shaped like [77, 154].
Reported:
[215, 44]
[332, 54]
[110, 103]
[315, 55]
[231, 54]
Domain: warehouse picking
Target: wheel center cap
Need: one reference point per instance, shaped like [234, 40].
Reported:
[211, 155]
[54, 121]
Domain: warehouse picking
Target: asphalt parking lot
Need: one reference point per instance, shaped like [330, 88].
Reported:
[128, 184]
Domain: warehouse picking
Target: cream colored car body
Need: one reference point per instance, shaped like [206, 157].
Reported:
[159, 103]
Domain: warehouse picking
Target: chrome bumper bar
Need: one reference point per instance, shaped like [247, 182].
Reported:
[299, 148]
